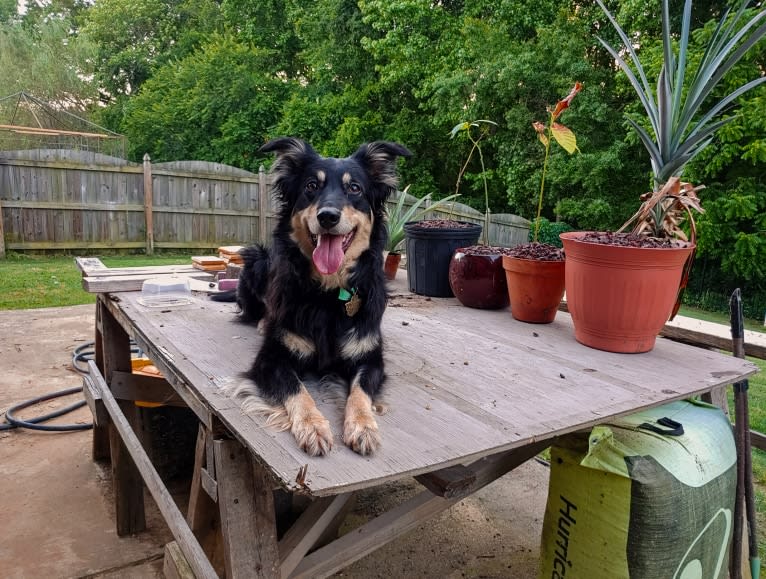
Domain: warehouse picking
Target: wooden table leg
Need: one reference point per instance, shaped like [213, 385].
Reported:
[100, 432]
[128, 484]
[248, 520]
[202, 516]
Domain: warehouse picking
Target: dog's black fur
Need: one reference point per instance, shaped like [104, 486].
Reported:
[311, 325]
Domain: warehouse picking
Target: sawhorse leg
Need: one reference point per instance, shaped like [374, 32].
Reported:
[128, 484]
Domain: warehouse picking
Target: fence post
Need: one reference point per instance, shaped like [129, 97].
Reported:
[263, 206]
[2, 233]
[148, 205]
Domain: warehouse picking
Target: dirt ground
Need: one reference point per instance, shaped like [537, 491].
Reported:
[57, 509]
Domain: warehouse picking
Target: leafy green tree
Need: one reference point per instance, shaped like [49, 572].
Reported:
[134, 37]
[48, 62]
[216, 104]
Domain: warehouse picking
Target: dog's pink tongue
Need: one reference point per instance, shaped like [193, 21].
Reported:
[328, 254]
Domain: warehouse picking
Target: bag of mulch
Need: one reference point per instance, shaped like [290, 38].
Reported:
[648, 496]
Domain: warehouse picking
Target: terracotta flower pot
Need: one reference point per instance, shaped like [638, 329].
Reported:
[477, 279]
[620, 297]
[535, 288]
[391, 265]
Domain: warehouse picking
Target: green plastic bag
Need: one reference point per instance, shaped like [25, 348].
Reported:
[636, 500]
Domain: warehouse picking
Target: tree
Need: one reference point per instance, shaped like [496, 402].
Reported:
[134, 37]
[216, 104]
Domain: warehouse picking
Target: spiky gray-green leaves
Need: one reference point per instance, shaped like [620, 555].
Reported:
[679, 111]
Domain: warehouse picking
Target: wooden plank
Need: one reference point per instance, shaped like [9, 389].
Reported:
[125, 283]
[705, 339]
[175, 565]
[450, 482]
[202, 513]
[758, 439]
[90, 265]
[128, 487]
[308, 529]
[263, 206]
[248, 521]
[162, 497]
[146, 270]
[129, 386]
[2, 232]
[148, 205]
[401, 519]
[93, 399]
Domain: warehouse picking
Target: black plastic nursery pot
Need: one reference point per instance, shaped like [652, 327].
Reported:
[429, 251]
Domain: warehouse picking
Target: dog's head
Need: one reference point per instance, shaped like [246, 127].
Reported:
[333, 208]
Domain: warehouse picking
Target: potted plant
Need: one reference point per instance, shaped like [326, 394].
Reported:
[622, 287]
[432, 243]
[535, 271]
[395, 221]
[475, 273]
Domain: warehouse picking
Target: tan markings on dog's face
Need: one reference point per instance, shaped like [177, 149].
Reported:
[346, 178]
[301, 232]
[298, 345]
[310, 429]
[360, 429]
[321, 177]
[355, 346]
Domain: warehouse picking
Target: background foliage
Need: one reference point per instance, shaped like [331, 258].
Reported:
[214, 79]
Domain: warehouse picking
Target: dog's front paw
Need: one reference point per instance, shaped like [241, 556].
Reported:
[313, 434]
[361, 434]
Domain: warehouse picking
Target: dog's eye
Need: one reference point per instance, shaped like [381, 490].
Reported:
[312, 186]
[354, 188]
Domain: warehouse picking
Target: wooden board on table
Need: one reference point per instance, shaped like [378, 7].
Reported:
[463, 384]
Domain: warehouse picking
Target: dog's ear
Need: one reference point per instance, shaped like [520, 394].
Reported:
[292, 154]
[379, 158]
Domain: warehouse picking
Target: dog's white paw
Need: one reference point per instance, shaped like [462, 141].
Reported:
[312, 433]
[361, 434]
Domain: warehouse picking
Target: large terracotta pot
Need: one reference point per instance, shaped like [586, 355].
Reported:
[535, 288]
[477, 279]
[620, 297]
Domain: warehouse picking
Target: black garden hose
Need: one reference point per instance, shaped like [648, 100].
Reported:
[80, 359]
[32, 423]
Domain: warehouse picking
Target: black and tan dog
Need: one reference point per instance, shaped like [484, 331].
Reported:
[320, 290]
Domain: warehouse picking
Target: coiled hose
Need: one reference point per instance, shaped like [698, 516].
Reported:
[80, 358]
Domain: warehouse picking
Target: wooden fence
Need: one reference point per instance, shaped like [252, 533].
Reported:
[52, 199]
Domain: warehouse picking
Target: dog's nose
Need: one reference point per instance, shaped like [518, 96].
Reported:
[328, 217]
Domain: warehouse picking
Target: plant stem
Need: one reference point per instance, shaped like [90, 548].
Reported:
[486, 196]
[542, 180]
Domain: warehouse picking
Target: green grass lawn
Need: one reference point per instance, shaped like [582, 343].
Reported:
[28, 281]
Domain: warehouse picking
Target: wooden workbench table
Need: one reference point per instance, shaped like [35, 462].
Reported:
[471, 395]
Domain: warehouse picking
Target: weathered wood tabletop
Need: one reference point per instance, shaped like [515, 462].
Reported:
[462, 384]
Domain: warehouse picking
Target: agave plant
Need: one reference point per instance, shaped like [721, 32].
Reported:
[681, 115]
[400, 215]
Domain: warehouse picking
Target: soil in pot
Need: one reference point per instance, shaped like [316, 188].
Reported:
[476, 277]
[430, 245]
[535, 278]
[621, 287]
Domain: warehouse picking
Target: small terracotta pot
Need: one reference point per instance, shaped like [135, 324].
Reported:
[620, 297]
[535, 288]
[478, 281]
[391, 265]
